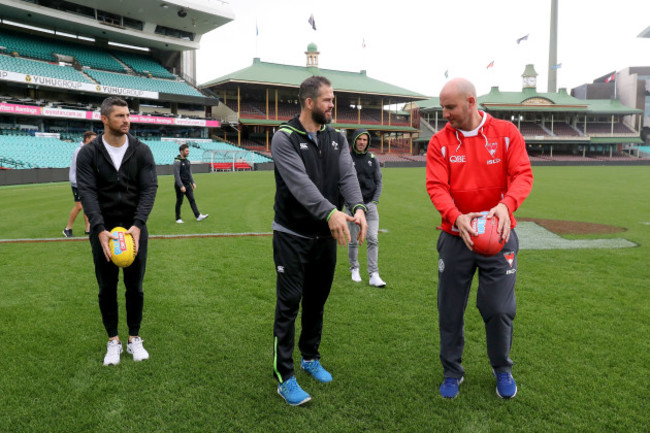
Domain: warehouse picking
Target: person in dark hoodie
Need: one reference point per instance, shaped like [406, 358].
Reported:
[314, 176]
[369, 176]
[184, 184]
[117, 182]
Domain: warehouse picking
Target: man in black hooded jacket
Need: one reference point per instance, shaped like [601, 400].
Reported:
[369, 176]
[116, 177]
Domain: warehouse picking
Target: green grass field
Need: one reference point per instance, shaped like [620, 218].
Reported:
[581, 346]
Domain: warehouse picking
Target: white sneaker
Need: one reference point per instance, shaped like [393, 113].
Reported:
[201, 217]
[136, 349]
[113, 351]
[355, 275]
[179, 221]
[376, 281]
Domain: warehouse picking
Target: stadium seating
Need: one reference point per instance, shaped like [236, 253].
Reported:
[144, 66]
[142, 83]
[34, 67]
[564, 130]
[37, 151]
[45, 48]
[606, 128]
[531, 128]
[27, 151]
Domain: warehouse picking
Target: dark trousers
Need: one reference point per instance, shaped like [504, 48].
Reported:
[107, 277]
[495, 300]
[305, 270]
[189, 192]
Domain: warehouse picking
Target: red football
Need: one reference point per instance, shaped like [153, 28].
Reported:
[488, 242]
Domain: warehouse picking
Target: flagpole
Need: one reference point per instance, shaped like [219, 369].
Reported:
[257, 33]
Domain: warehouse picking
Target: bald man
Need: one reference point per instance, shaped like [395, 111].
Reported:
[476, 163]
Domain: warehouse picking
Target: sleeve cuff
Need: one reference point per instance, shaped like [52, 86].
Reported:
[330, 214]
[363, 207]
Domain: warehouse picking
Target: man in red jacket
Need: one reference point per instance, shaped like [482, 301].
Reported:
[476, 163]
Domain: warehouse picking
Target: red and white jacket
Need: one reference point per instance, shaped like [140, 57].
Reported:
[477, 171]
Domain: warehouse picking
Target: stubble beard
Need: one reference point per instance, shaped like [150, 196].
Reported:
[320, 117]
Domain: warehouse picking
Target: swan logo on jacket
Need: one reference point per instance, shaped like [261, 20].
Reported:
[492, 148]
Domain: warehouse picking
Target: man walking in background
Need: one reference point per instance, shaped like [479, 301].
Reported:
[67, 230]
[184, 184]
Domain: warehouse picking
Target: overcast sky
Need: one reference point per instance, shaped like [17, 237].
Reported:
[411, 43]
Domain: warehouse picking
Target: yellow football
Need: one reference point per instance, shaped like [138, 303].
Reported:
[122, 248]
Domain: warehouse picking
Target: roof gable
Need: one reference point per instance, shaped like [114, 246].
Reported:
[264, 73]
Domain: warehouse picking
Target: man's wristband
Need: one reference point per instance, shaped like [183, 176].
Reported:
[363, 207]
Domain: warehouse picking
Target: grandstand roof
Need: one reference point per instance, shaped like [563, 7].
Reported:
[108, 19]
[429, 103]
[531, 100]
[274, 74]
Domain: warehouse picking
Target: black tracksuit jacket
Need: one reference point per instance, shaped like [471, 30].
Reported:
[116, 198]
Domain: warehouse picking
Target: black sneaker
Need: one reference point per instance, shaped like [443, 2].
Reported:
[67, 233]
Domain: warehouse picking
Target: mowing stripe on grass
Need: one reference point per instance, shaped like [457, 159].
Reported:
[535, 237]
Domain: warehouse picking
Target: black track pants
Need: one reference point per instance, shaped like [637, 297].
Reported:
[305, 270]
[189, 192]
[107, 277]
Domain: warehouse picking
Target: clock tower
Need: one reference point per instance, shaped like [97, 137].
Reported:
[529, 77]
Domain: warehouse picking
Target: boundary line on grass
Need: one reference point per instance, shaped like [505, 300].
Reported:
[181, 236]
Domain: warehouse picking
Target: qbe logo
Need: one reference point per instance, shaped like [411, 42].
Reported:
[455, 159]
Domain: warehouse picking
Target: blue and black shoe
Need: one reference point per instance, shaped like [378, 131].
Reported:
[450, 387]
[315, 369]
[506, 386]
[292, 392]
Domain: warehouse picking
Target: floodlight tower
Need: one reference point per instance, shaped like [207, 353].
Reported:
[552, 50]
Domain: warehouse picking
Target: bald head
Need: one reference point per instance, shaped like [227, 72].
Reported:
[460, 87]
[458, 101]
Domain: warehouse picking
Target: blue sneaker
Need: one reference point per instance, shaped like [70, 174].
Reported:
[315, 369]
[292, 392]
[506, 386]
[449, 387]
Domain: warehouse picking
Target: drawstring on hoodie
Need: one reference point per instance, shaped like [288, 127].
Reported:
[460, 141]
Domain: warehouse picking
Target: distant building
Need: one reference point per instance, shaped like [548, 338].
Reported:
[259, 98]
[556, 125]
[631, 86]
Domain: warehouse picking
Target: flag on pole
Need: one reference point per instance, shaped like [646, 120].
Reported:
[490, 65]
[447, 73]
[611, 77]
[558, 66]
[312, 22]
[257, 29]
[523, 38]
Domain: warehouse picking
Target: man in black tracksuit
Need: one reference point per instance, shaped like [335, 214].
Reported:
[116, 177]
[184, 184]
[313, 176]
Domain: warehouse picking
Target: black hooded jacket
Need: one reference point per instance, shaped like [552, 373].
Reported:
[367, 167]
[113, 198]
